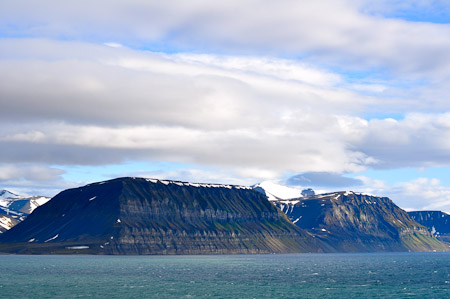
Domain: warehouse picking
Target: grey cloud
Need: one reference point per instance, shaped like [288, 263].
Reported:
[323, 179]
[240, 149]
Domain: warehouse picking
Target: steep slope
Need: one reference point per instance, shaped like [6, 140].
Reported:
[145, 216]
[437, 222]
[352, 222]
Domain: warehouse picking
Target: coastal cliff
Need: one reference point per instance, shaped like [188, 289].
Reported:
[145, 216]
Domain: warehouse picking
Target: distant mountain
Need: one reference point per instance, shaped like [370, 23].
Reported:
[437, 222]
[146, 216]
[355, 222]
[5, 194]
[15, 208]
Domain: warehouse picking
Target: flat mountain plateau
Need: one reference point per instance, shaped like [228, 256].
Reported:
[145, 216]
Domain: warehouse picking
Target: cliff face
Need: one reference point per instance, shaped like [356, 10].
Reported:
[143, 216]
[351, 222]
[437, 222]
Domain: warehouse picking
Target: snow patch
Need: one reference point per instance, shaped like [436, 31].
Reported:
[5, 224]
[167, 182]
[77, 247]
[296, 220]
[52, 238]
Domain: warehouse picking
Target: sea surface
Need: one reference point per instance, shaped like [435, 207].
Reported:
[380, 275]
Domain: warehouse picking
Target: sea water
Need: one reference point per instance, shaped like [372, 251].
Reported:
[380, 275]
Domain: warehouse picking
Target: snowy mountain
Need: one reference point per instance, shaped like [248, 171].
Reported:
[5, 194]
[15, 208]
[275, 192]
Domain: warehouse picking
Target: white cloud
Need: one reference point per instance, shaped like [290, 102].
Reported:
[29, 172]
[94, 84]
[415, 195]
[418, 140]
[95, 104]
[32, 179]
[92, 104]
[343, 35]
[113, 45]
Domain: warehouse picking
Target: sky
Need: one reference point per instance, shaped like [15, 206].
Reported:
[329, 94]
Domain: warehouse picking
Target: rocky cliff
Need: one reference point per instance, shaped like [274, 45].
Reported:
[145, 216]
[353, 222]
[437, 222]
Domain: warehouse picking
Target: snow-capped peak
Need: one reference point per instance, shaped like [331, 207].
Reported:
[276, 191]
[4, 194]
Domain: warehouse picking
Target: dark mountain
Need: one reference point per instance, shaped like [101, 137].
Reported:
[352, 222]
[145, 216]
[437, 222]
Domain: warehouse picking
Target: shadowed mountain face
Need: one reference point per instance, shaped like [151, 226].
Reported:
[437, 222]
[143, 216]
[352, 222]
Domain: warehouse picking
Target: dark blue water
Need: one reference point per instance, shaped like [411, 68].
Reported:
[387, 275]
